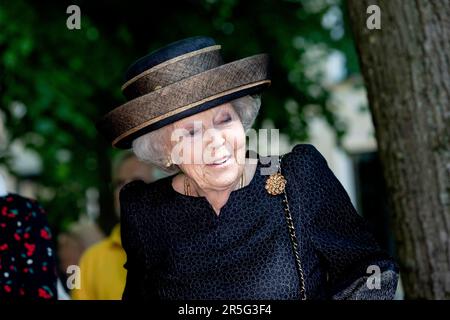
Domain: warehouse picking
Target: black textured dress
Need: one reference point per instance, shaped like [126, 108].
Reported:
[178, 248]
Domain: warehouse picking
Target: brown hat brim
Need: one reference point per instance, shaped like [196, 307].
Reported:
[184, 98]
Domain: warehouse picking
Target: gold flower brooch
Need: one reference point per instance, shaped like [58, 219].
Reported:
[275, 184]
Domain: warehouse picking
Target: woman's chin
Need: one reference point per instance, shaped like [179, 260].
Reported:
[224, 178]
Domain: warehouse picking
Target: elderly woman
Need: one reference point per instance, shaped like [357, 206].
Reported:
[220, 227]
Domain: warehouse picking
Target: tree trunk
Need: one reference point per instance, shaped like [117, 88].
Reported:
[406, 68]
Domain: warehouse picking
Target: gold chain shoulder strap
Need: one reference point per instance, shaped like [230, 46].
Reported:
[275, 185]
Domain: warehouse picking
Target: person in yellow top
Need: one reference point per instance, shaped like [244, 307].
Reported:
[101, 268]
[101, 265]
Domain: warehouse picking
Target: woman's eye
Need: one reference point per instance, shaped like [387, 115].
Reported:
[226, 119]
[192, 132]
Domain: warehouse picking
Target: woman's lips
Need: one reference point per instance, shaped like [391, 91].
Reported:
[220, 163]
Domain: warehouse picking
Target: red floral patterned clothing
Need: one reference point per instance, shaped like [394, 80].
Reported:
[27, 262]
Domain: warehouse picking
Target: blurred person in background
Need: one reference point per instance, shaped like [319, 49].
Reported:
[27, 262]
[102, 269]
[71, 245]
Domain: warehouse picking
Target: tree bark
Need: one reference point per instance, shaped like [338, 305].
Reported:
[406, 68]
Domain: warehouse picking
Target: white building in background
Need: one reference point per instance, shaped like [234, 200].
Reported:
[350, 103]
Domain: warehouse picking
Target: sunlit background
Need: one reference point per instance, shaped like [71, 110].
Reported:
[55, 83]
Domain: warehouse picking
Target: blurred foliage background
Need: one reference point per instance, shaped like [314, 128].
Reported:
[55, 82]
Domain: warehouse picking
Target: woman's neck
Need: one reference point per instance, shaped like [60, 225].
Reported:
[218, 198]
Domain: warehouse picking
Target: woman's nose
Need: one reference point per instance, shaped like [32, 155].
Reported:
[215, 138]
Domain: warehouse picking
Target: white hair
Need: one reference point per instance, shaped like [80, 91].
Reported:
[152, 147]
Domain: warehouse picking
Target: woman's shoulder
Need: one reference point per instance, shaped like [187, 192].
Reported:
[141, 197]
[310, 172]
[141, 204]
[138, 188]
[20, 205]
[308, 168]
[14, 198]
[304, 156]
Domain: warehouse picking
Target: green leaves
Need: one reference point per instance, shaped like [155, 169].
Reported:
[67, 79]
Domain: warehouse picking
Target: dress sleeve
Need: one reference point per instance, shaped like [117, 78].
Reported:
[357, 268]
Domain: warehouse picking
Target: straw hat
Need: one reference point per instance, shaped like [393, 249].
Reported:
[181, 79]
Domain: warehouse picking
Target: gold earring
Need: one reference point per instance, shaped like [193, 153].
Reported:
[169, 162]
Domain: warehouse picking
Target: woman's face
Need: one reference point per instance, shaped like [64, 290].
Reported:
[209, 147]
